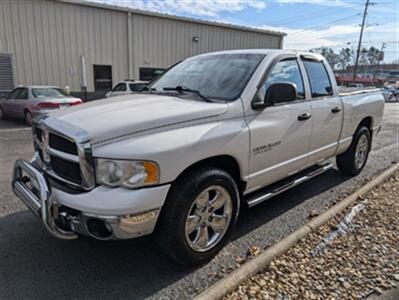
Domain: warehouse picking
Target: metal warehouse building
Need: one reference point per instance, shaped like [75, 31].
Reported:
[74, 43]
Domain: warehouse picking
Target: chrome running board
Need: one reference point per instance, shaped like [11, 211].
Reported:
[285, 184]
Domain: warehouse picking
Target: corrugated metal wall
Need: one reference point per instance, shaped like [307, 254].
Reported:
[46, 39]
[162, 42]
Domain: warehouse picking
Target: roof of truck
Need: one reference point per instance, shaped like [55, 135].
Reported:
[267, 52]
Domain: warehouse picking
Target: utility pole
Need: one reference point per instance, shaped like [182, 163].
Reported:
[379, 60]
[360, 40]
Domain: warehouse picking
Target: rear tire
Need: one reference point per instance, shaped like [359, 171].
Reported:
[190, 230]
[2, 114]
[353, 160]
[28, 117]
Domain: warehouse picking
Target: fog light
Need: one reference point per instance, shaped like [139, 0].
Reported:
[98, 228]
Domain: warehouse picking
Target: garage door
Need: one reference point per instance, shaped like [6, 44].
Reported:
[6, 76]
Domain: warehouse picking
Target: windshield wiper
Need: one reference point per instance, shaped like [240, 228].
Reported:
[183, 89]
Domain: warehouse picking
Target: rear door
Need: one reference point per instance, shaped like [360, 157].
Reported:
[279, 139]
[327, 110]
[8, 104]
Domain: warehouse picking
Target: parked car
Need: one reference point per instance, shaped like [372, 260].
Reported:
[3, 94]
[27, 102]
[125, 87]
[387, 93]
[395, 94]
[213, 133]
[356, 85]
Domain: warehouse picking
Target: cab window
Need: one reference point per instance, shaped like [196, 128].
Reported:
[320, 84]
[121, 87]
[22, 94]
[137, 87]
[286, 71]
[13, 94]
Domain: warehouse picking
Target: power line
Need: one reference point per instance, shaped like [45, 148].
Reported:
[318, 14]
[320, 26]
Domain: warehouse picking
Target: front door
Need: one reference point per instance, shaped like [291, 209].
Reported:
[20, 102]
[327, 114]
[279, 139]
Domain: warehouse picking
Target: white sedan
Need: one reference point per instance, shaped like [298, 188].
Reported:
[26, 102]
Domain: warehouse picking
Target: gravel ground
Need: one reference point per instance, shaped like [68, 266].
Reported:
[360, 259]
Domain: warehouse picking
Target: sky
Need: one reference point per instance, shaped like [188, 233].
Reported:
[308, 23]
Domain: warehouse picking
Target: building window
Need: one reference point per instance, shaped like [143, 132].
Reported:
[102, 77]
[147, 74]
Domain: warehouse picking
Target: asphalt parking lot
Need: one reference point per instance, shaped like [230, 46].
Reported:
[32, 264]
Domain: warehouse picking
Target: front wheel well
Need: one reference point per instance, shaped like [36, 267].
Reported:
[224, 162]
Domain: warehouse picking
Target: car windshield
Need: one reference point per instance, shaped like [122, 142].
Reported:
[48, 92]
[215, 76]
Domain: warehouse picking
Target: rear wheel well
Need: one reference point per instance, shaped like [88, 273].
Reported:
[224, 162]
[368, 123]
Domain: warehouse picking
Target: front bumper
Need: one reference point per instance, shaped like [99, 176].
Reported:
[103, 213]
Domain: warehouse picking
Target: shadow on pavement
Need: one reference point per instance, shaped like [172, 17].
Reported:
[34, 265]
[12, 124]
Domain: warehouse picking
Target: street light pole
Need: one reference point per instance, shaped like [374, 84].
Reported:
[360, 40]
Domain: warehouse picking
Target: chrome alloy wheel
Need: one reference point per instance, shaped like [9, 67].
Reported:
[362, 149]
[209, 218]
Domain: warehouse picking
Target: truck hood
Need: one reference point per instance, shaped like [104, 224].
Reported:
[123, 115]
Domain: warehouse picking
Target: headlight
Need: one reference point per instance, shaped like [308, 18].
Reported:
[130, 174]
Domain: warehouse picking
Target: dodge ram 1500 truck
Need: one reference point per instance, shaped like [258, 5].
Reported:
[213, 133]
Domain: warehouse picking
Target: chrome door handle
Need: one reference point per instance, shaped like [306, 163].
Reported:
[304, 117]
[336, 110]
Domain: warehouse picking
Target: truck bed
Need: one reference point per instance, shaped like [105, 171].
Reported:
[345, 91]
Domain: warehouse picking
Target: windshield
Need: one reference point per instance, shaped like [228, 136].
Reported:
[49, 92]
[217, 76]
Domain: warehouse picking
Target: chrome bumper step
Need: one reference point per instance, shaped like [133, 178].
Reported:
[285, 184]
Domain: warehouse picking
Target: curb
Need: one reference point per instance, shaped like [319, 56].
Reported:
[258, 263]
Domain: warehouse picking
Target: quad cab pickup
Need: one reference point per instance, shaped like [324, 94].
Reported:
[213, 133]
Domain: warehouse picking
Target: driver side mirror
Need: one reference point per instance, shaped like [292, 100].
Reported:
[278, 92]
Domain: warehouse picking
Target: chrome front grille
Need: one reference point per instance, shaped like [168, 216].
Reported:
[64, 152]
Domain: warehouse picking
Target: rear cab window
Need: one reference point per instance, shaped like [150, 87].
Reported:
[319, 80]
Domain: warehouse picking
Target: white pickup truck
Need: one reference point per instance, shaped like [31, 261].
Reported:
[213, 133]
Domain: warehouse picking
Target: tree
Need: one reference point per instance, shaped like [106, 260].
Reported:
[346, 57]
[373, 56]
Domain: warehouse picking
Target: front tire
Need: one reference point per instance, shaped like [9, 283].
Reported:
[198, 216]
[353, 160]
